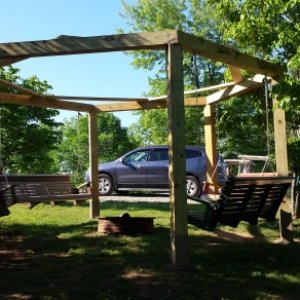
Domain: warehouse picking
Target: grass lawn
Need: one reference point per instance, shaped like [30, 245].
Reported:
[56, 253]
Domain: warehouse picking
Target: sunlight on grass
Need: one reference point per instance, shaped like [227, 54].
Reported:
[283, 277]
[60, 246]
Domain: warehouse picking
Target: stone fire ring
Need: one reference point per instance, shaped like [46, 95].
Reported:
[125, 225]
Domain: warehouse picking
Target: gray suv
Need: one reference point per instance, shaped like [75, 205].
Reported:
[146, 168]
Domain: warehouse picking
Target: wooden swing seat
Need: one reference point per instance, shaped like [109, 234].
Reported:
[244, 198]
[41, 188]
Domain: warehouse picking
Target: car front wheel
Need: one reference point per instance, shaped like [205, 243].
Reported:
[105, 185]
[192, 186]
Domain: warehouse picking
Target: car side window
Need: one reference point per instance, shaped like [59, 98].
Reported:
[137, 156]
[158, 154]
[191, 153]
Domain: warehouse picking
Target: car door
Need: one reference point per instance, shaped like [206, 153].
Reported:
[158, 165]
[132, 169]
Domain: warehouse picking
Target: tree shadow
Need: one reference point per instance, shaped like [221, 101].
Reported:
[74, 262]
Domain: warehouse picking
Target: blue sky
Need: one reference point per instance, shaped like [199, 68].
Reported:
[103, 74]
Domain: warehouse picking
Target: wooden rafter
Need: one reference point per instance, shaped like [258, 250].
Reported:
[76, 45]
[63, 45]
[19, 88]
[144, 105]
[236, 90]
[227, 55]
[36, 101]
[86, 98]
[236, 73]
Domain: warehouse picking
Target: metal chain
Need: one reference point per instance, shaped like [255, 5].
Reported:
[267, 114]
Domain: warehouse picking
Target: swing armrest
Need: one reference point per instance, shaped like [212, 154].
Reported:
[213, 204]
[10, 187]
[82, 188]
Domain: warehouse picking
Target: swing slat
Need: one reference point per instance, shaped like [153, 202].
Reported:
[242, 199]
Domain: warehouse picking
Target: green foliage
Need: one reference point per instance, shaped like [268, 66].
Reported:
[242, 126]
[73, 151]
[28, 134]
[271, 30]
[265, 29]
[187, 15]
[293, 152]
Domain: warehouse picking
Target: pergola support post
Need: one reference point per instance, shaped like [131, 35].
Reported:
[210, 146]
[177, 171]
[280, 137]
[93, 155]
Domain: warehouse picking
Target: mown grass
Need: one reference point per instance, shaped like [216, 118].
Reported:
[56, 253]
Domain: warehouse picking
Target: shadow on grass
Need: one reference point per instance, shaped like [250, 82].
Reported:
[73, 262]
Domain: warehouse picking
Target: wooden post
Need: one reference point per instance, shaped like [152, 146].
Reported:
[210, 145]
[177, 172]
[286, 220]
[93, 149]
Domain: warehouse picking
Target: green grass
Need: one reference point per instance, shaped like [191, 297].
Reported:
[56, 253]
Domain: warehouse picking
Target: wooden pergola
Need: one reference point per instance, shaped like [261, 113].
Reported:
[174, 43]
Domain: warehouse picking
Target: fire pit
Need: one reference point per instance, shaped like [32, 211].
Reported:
[125, 225]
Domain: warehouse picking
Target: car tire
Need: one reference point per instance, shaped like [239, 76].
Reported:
[192, 186]
[106, 184]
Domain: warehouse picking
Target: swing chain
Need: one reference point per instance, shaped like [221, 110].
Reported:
[266, 91]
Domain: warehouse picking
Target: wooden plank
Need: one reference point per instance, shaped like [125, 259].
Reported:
[198, 91]
[76, 45]
[210, 146]
[227, 55]
[236, 73]
[144, 105]
[177, 173]
[87, 98]
[19, 88]
[238, 89]
[36, 101]
[93, 159]
[280, 138]
[6, 62]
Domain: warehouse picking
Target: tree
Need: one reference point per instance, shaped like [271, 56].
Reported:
[267, 29]
[73, 151]
[28, 134]
[271, 30]
[191, 16]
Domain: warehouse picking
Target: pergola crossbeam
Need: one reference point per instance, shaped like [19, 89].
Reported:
[227, 55]
[38, 101]
[78, 45]
[238, 89]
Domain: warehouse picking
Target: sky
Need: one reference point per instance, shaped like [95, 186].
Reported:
[100, 74]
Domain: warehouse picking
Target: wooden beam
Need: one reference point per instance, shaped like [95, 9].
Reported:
[76, 45]
[6, 62]
[177, 172]
[93, 157]
[87, 98]
[144, 105]
[236, 73]
[36, 101]
[280, 138]
[210, 145]
[236, 90]
[197, 91]
[19, 88]
[227, 55]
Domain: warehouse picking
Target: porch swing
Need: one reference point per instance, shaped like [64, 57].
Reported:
[37, 188]
[244, 197]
